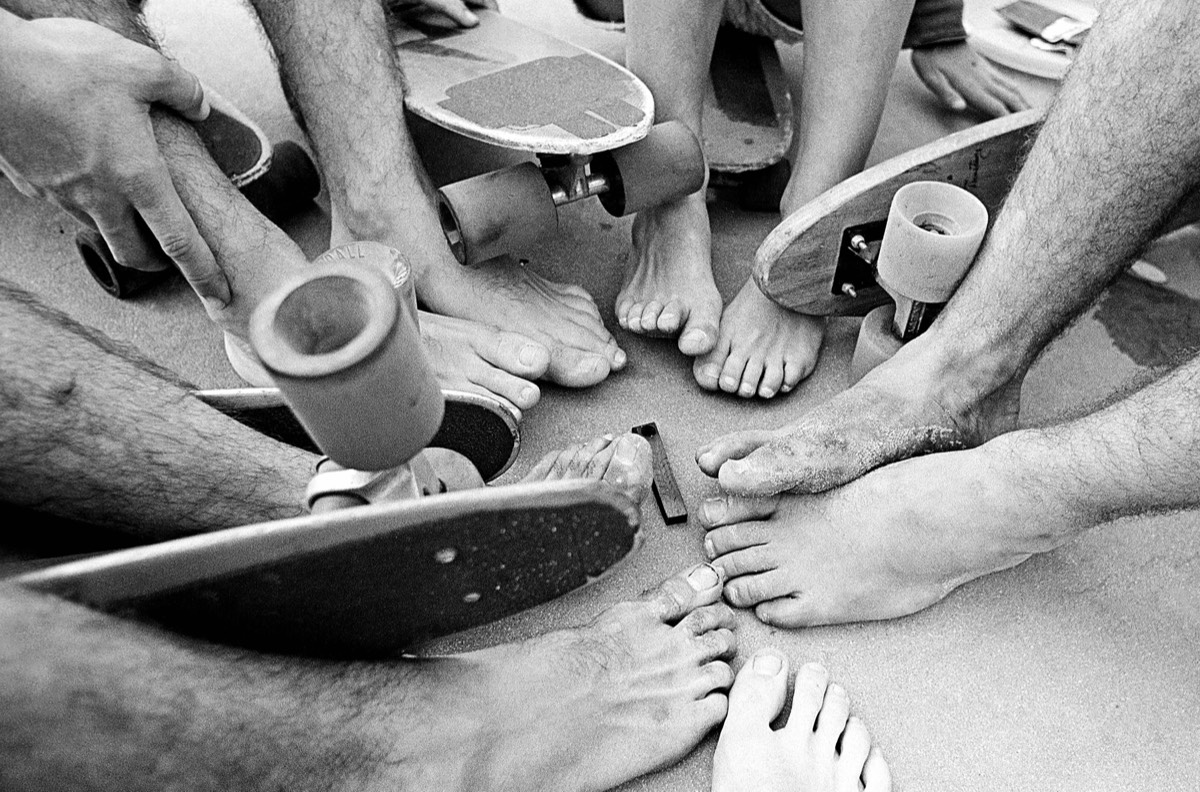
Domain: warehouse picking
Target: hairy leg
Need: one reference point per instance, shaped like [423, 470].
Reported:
[1089, 197]
[381, 192]
[904, 536]
[95, 702]
[822, 748]
[669, 288]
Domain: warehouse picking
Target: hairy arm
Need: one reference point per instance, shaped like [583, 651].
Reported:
[94, 432]
[1118, 151]
[92, 702]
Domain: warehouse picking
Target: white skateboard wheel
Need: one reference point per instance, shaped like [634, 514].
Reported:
[665, 165]
[346, 353]
[876, 342]
[932, 235]
[497, 212]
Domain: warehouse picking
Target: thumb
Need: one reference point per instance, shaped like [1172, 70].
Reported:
[177, 88]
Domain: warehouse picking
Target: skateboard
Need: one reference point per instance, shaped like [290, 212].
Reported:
[587, 120]
[747, 121]
[279, 181]
[997, 39]
[482, 429]
[365, 581]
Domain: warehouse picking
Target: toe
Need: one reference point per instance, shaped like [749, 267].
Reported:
[679, 595]
[633, 316]
[731, 446]
[715, 676]
[514, 353]
[616, 356]
[853, 751]
[787, 612]
[772, 379]
[730, 509]
[699, 335]
[748, 591]
[631, 468]
[831, 722]
[812, 680]
[671, 316]
[750, 561]
[876, 774]
[731, 538]
[795, 369]
[751, 376]
[731, 372]
[764, 471]
[520, 392]
[707, 368]
[576, 368]
[649, 318]
[709, 618]
[757, 695]
[581, 465]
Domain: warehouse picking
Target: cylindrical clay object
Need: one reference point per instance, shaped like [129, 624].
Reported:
[933, 232]
[341, 342]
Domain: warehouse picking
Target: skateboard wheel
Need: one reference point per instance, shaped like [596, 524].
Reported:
[119, 281]
[346, 354]
[290, 184]
[932, 234]
[876, 342]
[497, 212]
[666, 164]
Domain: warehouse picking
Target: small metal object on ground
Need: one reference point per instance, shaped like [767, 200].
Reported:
[666, 490]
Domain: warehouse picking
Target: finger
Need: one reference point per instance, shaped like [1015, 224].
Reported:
[179, 89]
[983, 100]
[160, 206]
[130, 243]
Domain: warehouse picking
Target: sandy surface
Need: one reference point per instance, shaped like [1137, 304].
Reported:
[1076, 670]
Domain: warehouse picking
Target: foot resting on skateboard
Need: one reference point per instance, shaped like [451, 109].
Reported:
[624, 462]
[821, 749]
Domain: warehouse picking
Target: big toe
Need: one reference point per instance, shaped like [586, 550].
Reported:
[630, 469]
[699, 335]
[576, 368]
[764, 471]
[712, 456]
[757, 696]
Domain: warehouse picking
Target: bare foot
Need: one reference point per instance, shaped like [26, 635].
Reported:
[561, 317]
[670, 290]
[924, 399]
[625, 462]
[572, 711]
[821, 749]
[473, 357]
[762, 349]
[888, 544]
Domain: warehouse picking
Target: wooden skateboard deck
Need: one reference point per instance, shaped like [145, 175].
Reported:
[748, 107]
[483, 430]
[998, 41]
[806, 263]
[366, 581]
[510, 85]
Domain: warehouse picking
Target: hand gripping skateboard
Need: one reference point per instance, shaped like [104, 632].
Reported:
[587, 120]
[278, 181]
[402, 542]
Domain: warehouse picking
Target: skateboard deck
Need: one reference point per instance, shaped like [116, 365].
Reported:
[997, 40]
[808, 263]
[367, 581]
[278, 180]
[510, 85]
[483, 430]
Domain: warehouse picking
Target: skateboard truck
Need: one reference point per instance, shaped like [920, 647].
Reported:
[510, 209]
[931, 236]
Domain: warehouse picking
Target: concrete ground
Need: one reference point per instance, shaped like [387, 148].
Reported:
[1076, 670]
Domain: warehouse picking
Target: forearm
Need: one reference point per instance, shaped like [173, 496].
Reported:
[1139, 455]
[1118, 150]
[96, 433]
[91, 702]
[338, 60]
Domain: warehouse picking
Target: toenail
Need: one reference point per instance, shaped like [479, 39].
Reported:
[712, 372]
[529, 354]
[768, 664]
[710, 550]
[728, 382]
[703, 577]
[766, 393]
[714, 510]
[746, 391]
[693, 337]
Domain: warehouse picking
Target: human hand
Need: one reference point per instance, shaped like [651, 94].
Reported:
[959, 77]
[77, 131]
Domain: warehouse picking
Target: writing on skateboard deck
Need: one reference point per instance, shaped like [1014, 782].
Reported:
[366, 581]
